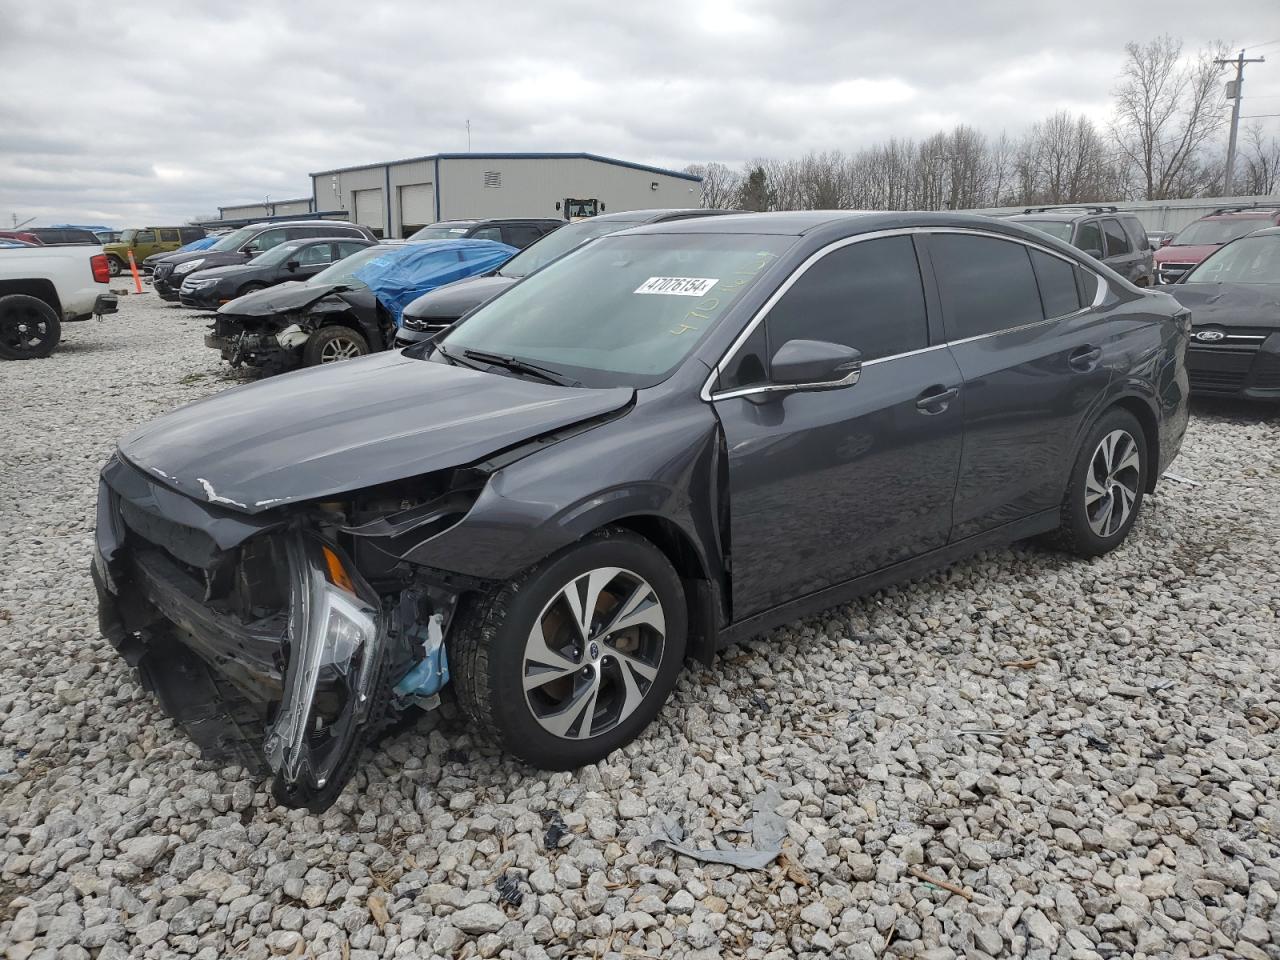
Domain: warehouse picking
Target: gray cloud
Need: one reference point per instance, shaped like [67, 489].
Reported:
[205, 103]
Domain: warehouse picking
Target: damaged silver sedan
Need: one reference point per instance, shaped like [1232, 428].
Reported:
[667, 440]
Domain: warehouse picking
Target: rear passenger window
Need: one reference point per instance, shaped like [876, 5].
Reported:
[168, 235]
[487, 233]
[1089, 238]
[867, 296]
[1117, 242]
[520, 235]
[1057, 279]
[986, 285]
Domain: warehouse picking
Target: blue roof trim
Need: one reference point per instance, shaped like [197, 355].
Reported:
[516, 156]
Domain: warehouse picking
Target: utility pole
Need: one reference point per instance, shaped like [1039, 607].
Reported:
[1234, 90]
[468, 136]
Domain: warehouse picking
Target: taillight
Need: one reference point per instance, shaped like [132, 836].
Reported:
[101, 269]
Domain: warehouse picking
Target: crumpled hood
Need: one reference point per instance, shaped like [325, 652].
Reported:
[334, 429]
[452, 301]
[1230, 304]
[293, 295]
[1189, 253]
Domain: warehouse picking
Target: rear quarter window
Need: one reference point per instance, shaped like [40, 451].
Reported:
[986, 285]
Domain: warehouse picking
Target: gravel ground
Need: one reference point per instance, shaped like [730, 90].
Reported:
[1085, 750]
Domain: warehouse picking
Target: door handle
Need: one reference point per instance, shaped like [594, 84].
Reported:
[1085, 358]
[936, 399]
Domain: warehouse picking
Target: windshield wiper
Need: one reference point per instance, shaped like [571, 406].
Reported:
[516, 365]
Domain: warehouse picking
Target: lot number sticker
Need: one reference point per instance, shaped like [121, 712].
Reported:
[678, 286]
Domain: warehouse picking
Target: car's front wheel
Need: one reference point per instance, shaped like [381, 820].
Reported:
[573, 658]
[333, 344]
[1105, 491]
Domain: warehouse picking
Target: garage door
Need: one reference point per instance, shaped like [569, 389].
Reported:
[417, 207]
[370, 211]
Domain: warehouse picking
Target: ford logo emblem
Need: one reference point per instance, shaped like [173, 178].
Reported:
[1210, 336]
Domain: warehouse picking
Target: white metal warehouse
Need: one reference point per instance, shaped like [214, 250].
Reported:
[396, 198]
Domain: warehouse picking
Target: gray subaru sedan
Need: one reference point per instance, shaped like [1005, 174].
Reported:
[668, 439]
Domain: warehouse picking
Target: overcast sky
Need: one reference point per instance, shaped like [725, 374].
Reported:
[158, 113]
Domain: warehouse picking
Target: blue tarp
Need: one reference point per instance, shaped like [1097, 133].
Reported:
[403, 274]
[204, 243]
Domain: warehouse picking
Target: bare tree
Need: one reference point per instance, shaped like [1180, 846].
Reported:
[1261, 174]
[1166, 110]
[721, 186]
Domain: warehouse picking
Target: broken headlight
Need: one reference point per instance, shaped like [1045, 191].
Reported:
[332, 689]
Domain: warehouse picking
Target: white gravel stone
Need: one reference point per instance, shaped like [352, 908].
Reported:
[1089, 747]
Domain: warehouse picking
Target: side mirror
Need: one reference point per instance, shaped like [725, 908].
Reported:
[292, 265]
[815, 365]
[250, 251]
[1166, 241]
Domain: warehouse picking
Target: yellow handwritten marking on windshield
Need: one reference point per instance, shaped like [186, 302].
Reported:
[683, 328]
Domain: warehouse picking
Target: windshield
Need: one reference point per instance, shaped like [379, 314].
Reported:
[437, 232]
[344, 271]
[277, 254]
[127, 237]
[233, 240]
[1217, 231]
[1251, 260]
[621, 311]
[1060, 229]
[542, 252]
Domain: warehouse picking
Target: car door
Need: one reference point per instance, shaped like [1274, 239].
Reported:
[311, 259]
[166, 239]
[1032, 358]
[144, 245]
[1121, 255]
[829, 484]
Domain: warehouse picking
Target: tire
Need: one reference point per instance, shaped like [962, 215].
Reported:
[249, 288]
[1104, 479]
[332, 344]
[115, 266]
[29, 327]
[493, 645]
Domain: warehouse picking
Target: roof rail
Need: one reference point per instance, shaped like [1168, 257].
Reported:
[1090, 207]
[1241, 207]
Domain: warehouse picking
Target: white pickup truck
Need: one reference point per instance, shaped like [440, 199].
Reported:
[43, 287]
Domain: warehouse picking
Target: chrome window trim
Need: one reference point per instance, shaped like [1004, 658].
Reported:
[758, 318]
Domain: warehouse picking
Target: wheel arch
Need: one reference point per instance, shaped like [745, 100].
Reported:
[700, 591]
[40, 289]
[1146, 418]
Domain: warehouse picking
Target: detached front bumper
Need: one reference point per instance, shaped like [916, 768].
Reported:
[278, 662]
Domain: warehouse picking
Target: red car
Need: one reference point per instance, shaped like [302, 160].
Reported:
[1197, 240]
[21, 235]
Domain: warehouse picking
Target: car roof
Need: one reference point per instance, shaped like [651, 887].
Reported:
[1266, 232]
[845, 222]
[1051, 215]
[301, 223]
[1260, 213]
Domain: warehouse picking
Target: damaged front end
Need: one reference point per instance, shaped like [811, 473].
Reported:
[284, 640]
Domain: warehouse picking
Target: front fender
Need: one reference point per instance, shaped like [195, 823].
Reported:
[658, 462]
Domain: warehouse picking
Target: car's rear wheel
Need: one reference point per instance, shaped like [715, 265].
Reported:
[332, 345]
[115, 266]
[29, 327]
[1106, 488]
[573, 658]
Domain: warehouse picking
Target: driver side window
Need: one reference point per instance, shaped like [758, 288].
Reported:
[268, 239]
[866, 295]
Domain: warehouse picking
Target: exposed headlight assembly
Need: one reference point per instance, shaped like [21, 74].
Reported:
[187, 267]
[337, 634]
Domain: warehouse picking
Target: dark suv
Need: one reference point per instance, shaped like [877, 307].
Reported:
[1117, 239]
[241, 246]
[667, 440]
[432, 312]
[516, 232]
[1194, 242]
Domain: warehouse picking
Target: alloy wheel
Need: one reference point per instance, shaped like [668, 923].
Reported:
[23, 331]
[594, 653]
[1111, 483]
[339, 348]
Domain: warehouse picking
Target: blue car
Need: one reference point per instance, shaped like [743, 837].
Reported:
[348, 310]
